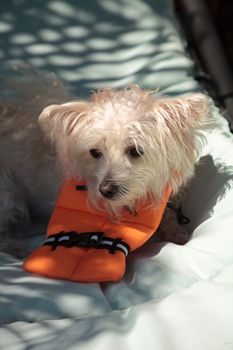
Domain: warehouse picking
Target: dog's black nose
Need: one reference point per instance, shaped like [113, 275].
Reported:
[108, 189]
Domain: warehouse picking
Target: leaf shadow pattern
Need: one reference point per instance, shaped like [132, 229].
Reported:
[92, 44]
[68, 333]
[28, 298]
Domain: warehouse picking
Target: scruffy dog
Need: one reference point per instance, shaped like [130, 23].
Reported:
[127, 144]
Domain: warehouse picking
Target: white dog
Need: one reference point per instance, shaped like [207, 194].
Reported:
[127, 144]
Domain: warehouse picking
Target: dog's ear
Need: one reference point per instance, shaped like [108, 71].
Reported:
[64, 125]
[60, 121]
[185, 113]
[178, 134]
[182, 120]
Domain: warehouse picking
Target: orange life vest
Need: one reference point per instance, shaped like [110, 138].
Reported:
[84, 245]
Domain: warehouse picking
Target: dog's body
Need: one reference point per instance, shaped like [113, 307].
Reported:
[127, 144]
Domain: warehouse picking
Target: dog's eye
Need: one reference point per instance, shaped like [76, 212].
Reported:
[135, 152]
[95, 153]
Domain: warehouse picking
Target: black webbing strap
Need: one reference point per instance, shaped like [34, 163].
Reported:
[87, 240]
[81, 188]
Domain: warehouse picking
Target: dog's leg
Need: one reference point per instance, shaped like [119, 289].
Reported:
[171, 230]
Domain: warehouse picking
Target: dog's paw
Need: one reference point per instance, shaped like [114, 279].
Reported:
[174, 233]
[177, 234]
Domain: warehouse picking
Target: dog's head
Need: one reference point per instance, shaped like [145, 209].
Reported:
[128, 144]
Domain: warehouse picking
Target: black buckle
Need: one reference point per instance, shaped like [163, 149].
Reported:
[113, 248]
[55, 241]
[71, 241]
[86, 240]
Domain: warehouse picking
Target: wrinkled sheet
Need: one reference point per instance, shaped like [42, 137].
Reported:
[172, 297]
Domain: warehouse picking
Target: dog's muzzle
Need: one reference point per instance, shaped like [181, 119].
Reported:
[109, 189]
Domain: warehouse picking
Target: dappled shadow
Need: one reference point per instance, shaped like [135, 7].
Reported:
[149, 277]
[90, 45]
[29, 298]
[67, 334]
[212, 181]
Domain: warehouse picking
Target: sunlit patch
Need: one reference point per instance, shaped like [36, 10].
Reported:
[73, 47]
[5, 27]
[76, 31]
[107, 27]
[22, 39]
[62, 8]
[50, 35]
[122, 54]
[41, 49]
[70, 76]
[112, 6]
[101, 43]
[62, 60]
[138, 37]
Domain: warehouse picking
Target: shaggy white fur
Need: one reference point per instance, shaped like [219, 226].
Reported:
[141, 142]
[127, 144]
